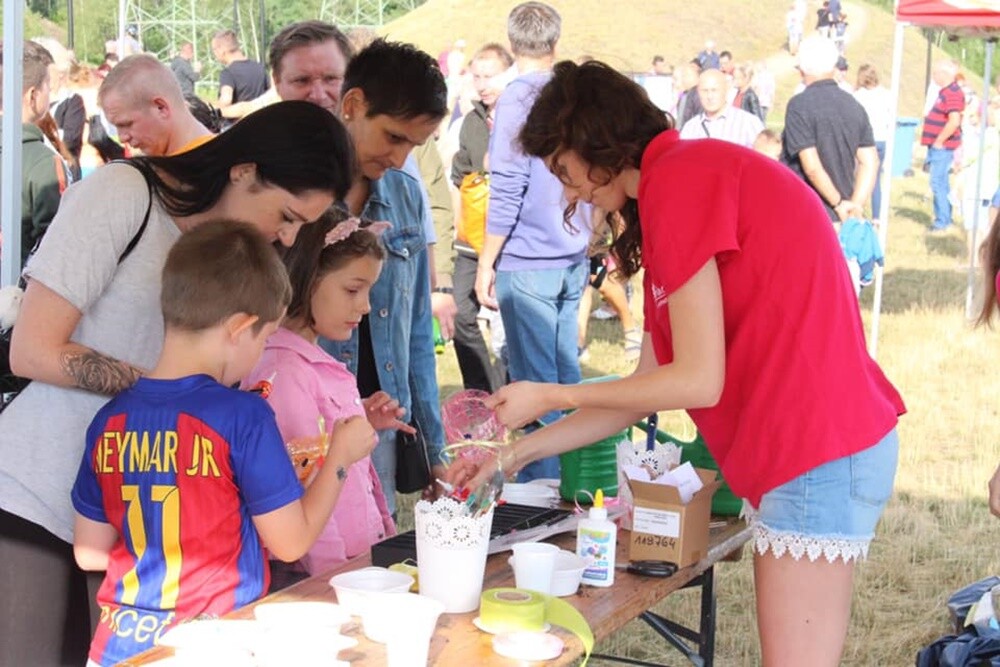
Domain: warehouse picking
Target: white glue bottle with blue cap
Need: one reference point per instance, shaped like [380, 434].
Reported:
[596, 541]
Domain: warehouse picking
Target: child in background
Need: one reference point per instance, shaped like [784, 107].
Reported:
[768, 142]
[332, 267]
[604, 279]
[184, 482]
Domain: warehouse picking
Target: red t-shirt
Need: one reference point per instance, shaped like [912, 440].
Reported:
[800, 389]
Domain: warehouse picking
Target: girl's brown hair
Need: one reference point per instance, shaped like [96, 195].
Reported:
[606, 119]
[990, 258]
[309, 259]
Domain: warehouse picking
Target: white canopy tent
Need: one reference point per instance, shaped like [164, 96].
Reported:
[961, 17]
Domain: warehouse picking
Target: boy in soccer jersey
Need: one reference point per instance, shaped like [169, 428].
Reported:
[185, 482]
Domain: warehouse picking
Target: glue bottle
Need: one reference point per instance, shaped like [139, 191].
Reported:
[596, 541]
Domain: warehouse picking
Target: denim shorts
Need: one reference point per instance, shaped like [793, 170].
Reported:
[829, 511]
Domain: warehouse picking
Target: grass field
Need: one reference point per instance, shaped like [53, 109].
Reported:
[937, 534]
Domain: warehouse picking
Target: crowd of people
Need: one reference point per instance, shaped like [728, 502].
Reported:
[496, 192]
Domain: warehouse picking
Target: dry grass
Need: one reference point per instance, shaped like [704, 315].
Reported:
[937, 533]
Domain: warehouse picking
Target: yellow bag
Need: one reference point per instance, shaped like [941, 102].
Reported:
[475, 193]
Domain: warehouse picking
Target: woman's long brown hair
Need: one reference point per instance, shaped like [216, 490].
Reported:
[608, 120]
[990, 258]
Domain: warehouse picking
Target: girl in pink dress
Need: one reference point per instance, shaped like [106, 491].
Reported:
[332, 269]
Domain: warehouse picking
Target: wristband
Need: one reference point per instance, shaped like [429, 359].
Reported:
[443, 290]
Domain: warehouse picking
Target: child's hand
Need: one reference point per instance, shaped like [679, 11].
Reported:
[351, 440]
[384, 413]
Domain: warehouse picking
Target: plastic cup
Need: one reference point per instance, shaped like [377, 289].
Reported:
[534, 565]
[405, 622]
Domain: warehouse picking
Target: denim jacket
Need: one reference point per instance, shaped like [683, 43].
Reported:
[400, 318]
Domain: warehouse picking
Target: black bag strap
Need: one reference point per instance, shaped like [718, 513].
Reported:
[145, 219]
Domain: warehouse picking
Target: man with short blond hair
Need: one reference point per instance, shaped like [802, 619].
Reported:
[241, 79]
[142, 99]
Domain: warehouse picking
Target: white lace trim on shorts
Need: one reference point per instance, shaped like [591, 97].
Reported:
[798, 545]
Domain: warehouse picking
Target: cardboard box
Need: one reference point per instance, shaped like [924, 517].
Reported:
[665, 529]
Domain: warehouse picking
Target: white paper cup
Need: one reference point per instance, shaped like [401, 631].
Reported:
[353, 587]
[414, 618]
[534, 564]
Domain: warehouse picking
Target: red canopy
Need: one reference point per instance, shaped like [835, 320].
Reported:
[959, 16]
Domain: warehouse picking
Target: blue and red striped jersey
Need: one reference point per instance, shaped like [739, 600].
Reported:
[950, 99]
[179, 468]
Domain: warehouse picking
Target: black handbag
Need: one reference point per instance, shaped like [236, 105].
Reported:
[10, 384]
[413, 467]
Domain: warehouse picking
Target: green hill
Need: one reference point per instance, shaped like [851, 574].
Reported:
[676, 29]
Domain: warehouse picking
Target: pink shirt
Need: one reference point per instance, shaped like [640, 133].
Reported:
[307, 383]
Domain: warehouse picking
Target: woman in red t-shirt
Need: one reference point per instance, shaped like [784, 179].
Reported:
[751, 325]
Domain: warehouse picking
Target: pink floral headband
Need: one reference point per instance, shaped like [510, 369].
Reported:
[347, 227]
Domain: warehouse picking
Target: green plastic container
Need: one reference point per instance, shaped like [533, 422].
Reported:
[724, 502]
[583, 471]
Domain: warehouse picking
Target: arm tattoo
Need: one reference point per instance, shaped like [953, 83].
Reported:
[97, 373]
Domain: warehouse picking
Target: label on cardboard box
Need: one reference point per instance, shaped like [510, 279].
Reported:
[657, 522]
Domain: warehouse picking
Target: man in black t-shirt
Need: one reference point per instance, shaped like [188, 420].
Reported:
[828, 138]
[241, 79]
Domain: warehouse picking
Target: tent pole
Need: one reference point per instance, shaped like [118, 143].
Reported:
[890, 149]
[10, 187]
[122, 9]
[70, 26]
[983, 123]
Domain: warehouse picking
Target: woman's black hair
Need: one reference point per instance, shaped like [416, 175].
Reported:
[296, 146]
[204, 113]
[608, 120]
[398, 80]
[310, 258]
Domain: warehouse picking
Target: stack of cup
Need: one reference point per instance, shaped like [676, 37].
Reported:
[405, 623]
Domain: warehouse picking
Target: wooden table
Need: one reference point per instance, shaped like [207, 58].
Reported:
[457, 642]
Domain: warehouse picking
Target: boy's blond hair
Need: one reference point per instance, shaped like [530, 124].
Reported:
[219, 269]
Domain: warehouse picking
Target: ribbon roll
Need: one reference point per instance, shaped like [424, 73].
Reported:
[504, 610]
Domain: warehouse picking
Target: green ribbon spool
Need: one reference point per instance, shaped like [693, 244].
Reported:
[517, 610]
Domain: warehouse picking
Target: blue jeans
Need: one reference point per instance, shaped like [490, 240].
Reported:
[539, 310]
[877, 190]
[384, 460]
[940, 160]
[831, 510]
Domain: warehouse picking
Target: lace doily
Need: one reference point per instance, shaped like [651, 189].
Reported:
[660, 459]
[446, 523]
[797, 545]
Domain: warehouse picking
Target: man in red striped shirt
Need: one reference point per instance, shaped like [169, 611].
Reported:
[943, 135]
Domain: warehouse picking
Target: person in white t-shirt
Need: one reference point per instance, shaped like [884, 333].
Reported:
[876, 100]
